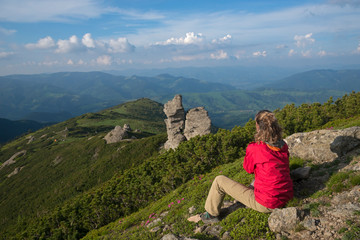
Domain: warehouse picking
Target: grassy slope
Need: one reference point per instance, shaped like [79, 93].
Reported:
[55, 171]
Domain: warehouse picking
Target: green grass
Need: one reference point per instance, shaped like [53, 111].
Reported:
[343, 123]
[296, 162]
[193, 193]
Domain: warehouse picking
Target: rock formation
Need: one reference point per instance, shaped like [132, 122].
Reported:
[175, 122]
[180, 127]
[323, 145]
[197, 123]
[117, 134]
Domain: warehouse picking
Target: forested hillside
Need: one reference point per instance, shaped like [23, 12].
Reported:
[11, 129]
[148, 181]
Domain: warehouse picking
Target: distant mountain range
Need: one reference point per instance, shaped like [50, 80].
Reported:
[80, 92]
[345, 80]
[60, 96]
[241, 77]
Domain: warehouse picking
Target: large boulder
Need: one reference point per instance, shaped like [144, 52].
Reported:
[175, 122]
[324, 145]
[285, 219]
[197, 123]
[116, 135]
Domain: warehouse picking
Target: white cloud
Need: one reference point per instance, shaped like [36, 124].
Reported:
[188, 58]
[291, 52]
[88, 41]
[303, 41]
[258, 53]
[322, 53]
[306, 53]
[219, 55]
[49, 63]
[5, 54]
[190, 38]
[65, 46]
[120, 45]
[7, 31]
[43, 43]
[223, 39]
[104, 60]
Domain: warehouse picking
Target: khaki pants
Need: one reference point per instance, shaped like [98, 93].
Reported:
[223, 185]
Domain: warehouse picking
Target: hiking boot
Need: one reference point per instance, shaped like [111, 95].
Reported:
[207, 218]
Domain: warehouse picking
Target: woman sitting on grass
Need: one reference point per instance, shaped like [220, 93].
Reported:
[268, 159]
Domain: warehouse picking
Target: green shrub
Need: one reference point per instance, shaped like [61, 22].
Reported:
[246, 223]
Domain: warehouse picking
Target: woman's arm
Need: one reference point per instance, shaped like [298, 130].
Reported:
[249, 163]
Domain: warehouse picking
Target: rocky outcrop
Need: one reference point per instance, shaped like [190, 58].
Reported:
[180, 127]
[323, 145]
[197, 123]
[117, 134]
[16, 171]
[284, 220]
[296, 223]
[12, 159]
[175, 122]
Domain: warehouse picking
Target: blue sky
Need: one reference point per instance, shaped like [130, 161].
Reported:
[86, 35]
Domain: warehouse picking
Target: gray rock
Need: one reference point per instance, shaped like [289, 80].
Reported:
[284, 220]
[213, 230]
[300, 173]
[175, 122]
[226, 236]
[324, 145]
[12, 159]
[309, 224]
[155, 229]
[116, 135]
[16, 171]
[197, 123]
[127, 128]
[164, 214]
[200, 229]
[169, 236]
[154, 223]
[192, 210]
[31, 139]
[166, 228]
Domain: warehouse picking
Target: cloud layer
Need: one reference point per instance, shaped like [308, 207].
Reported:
[91, 34]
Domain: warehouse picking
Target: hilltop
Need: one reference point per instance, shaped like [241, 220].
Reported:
[79, 186]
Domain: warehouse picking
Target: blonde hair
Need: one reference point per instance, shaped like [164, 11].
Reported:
[269, 129]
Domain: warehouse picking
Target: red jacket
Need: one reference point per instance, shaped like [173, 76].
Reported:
[273, 187]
